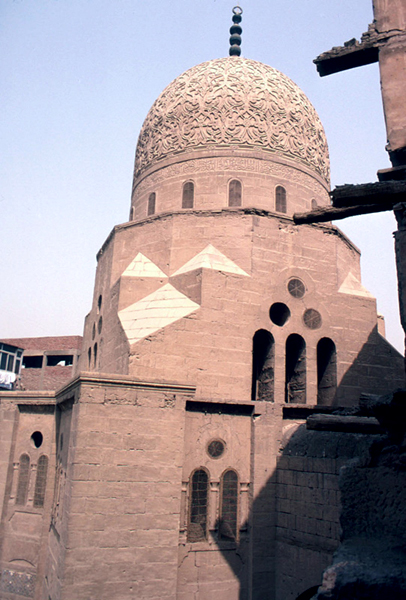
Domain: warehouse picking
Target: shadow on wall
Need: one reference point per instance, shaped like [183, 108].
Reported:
[294, 523]
[378, 369]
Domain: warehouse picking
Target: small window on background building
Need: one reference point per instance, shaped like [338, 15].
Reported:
[199, 492]
[60, 360]
[234, 193]
[314, 204]
[151, 204]
[41, 481]
[229, 506]
[23, 479]
[95, 356]
[280, 199]
[89, 357]
[188, 195]
[32, 362]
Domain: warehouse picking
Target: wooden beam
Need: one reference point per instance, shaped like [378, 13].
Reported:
[352, 54]
[331, 213]
[379, 192]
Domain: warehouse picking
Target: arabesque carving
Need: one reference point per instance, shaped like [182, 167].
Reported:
[233, 101]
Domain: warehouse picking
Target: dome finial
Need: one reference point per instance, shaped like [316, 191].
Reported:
[235, 32]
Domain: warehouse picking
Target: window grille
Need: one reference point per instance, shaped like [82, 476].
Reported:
[151, 204]
[234, 193]
[23, 479]
[188, 195]
[197, 530]
[326, 372]
[280, 199]
[263, 366]
[41, 481]
[229, 506]
[295, 369]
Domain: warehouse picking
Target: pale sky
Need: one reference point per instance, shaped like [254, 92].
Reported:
[77, 78]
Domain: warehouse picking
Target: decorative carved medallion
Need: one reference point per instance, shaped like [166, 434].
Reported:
[233, 102]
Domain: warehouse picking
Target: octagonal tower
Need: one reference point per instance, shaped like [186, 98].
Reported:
[213, 314]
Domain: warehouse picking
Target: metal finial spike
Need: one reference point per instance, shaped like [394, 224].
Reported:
[235, 32]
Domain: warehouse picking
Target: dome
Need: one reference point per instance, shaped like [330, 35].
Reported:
[233, 103]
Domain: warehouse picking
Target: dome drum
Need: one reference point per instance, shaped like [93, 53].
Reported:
[211, 176]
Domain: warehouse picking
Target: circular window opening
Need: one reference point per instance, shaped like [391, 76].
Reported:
[312, 318]
[37, 438]
[279, 313]
[99, 303]
[216, 448]
[100, 325]
[296, 288]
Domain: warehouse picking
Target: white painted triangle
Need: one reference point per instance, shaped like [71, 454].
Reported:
[152, 313]
[142, 266]
[351, 285]
[211, 258]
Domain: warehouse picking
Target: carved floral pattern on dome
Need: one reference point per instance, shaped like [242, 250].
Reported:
[233, 101]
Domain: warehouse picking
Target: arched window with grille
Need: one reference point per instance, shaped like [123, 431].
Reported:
[295, 369]
[188, 194]
[41, 481]
[234, 193]
[228, 526]
[23, 479]
[198, 507]
[280, 199]
[151, 204]
[263, 366]
[326, 372]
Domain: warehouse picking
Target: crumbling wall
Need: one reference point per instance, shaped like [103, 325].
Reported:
[308, 502]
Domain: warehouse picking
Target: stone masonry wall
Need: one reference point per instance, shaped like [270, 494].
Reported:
[120, 526]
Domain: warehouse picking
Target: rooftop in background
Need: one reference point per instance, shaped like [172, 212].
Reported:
[48, 362]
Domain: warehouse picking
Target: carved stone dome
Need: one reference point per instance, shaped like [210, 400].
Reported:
[233, 103]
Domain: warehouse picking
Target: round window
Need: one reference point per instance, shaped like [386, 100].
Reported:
[37, 438]
[296, 288]
[312, 318]
[279, 313]
[216, 448]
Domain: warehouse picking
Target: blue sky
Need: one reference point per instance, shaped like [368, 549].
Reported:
[77, 78]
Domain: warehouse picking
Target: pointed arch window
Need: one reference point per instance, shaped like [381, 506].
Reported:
[314, 203]
[199, 496]
[326, 372]
[263, 366]
[23, 479]
[280, 199]
[234, 193]
[41, 481]
[151, 204]
[228, 526]
[188, 194]
[295, 369]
